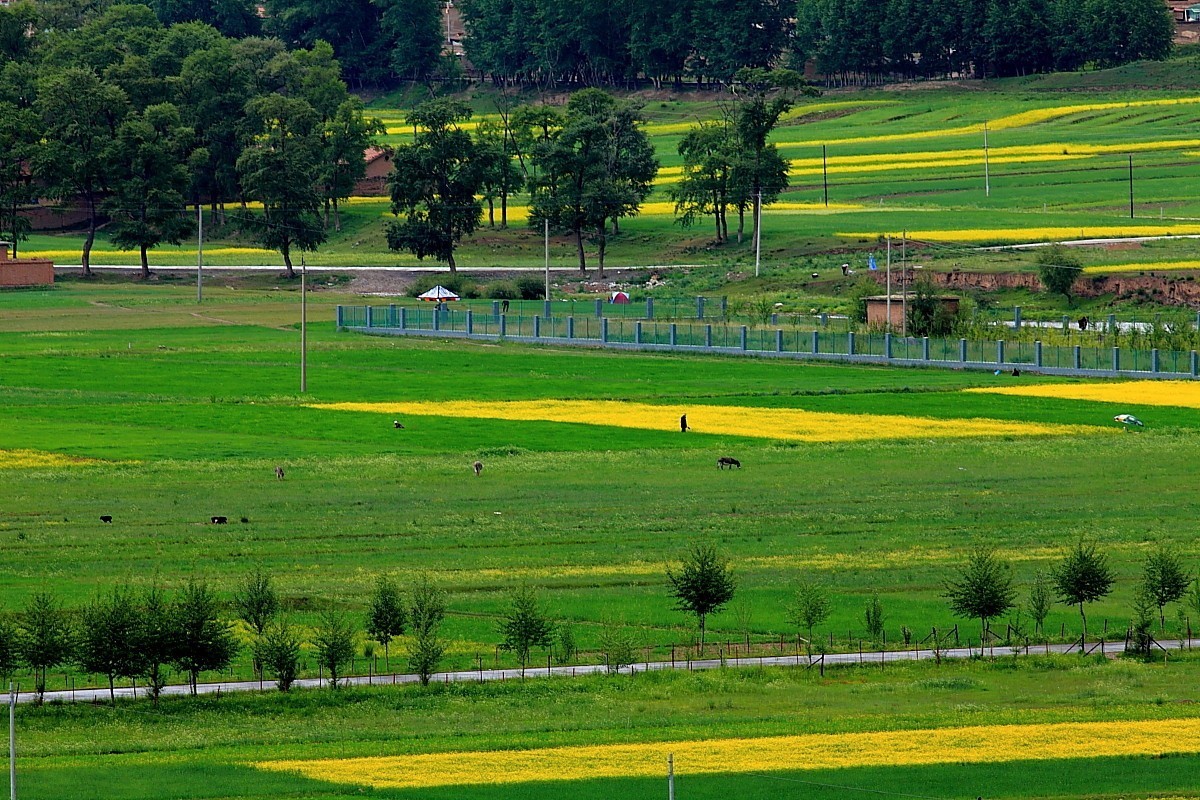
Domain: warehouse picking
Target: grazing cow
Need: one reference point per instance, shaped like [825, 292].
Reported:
[106, 518]
[245, 520]
[396, 424]
[728, 461]
[683, 426]
[279, 473]
[478, 467]
[219, 520]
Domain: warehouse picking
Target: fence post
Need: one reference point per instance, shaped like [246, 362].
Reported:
[1154, 366]
[370, 317]
[604, 330]
[1037, 353]
[339, 317]
[470, 322]
[503, 324]
[962, 350]
[887, 345]
[599, 308]
[1195, 363]
[850, 343]
[1077, 357]
[649, 308]
[1017, 317]
[743, 342]
[708, 335]
[570, 327]
[924, 348]
[1066, 323]
[437, 320]
[1112, 323]
[537, 326]
[824, 320]
[724, 306]
[699, 308]
[547, 311]
[778, 341]
[674, 333]
[495, 309]
[999, 351]
[1116, 359]
[637, 332]
[816, 342]
[403, 318]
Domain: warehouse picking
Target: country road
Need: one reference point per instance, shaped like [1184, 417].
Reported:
[95, 695]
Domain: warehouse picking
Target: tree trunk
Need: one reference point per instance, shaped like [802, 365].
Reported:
[700, 617]
[451, 263]
[337, 216]
[602, 245]
[724, 224]
[504, 209]
[91, 237]
[112, 691]
[195, 679]
[579, 247]
[616, 226]
[287, 261]
[491, 213]
[145, 264]
[1083, 617]
[325, 218]
[741, 222]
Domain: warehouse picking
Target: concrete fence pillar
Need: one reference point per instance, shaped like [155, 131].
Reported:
[924, 348]
[1116, 359]
[570, 327]
[599, 308]
[1112, 323]
[1017, 317]
[403, 321]
[774, 319]
[437, 320]
[1154, 361]
[816, 342]
[547, 309]
[699, 308]
[887, 345]
[649, 308]
[370, 317]
[724, 305]
[637, 332]
[850, 343]
[962, 350]
[504, 324]
[1037, 354]
[1198, 320]
[778, 341]
[708, 335]
[824, 320]
[340, 316]
[495, 309]
[604, 329]
[470, 322]
[674, 333]
[537, 326]
[744, 337]
[1077, 357]
[1195, 364]
[999, 351]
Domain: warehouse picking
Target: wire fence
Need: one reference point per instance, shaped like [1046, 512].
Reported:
[774, 340]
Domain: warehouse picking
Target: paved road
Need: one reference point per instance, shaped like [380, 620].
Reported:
[891, 656]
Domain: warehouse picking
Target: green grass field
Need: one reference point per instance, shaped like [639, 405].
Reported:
[183, 411]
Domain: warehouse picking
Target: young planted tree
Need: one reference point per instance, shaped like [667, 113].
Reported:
[386, 614]
[9, 649]
[1142, 623]
[983, 590]
[279, 651]
[1040, 600]
[1058, 270]
[703, 584]
[525, 624]
[203, 641]
[108, 642]
[1083, 577]
[434, 183]
[1164, 579]
[809, 608]
[256, 601]
[156, 638]
[334, 641]
[566, 647]
[874, 617]
[44, 637]
[426, 610]
[146, 202]
[618, 643]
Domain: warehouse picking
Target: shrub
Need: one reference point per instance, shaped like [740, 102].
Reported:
[503, 290]
[531, 288]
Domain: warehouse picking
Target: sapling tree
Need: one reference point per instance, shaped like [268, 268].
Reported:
[8, 649]
[1164, 579]
[983, 589]
[809, 608]
[334, 642]
[108, 638]
[156, 639]
[525, 624]
[203, 640]
[1040, 600]
[703, 584]
[44, 637]
[1083, 577]
[426, 610]
[256, 600]
[279, 650]
[386, 615]
[873, 617]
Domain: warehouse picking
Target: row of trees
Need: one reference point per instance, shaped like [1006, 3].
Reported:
[133, 120]
[617, 43]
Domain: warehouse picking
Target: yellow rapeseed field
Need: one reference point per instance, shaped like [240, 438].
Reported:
[1150, 266]
[980, 744]
[1036, 234]
[766, 423]
[99, 255]
[1182, 394]
[36, 459]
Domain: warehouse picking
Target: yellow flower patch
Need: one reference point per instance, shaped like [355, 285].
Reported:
[37, 459]
[972, 745]
[1181, 394]
[765, 423]
[1153, 266]
[1036, 234]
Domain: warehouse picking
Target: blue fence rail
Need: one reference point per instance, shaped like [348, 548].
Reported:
[694, 337]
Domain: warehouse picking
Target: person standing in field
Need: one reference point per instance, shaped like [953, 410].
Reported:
[683, 426]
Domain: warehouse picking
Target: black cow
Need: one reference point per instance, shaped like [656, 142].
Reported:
[220, 520]
[728, 461]
[106, 518]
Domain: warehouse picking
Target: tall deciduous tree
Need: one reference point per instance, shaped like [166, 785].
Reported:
[280, 171]
[44, 637]
[345, 139]
[1084, 576]
[1058, 270]
[203, 641]
[108, 642]
[983, 589]
[387, 617]
[434, 183]
[525, 624]
[20, 134]
[702, 584]
[415, 35]
[501, 176]
[146, 203]
[704, 186]
[80, 116]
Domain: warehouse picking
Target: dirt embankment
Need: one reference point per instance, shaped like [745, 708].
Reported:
[1180, 291]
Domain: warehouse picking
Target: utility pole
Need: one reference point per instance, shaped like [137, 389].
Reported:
[546, 223]
[757, 232]
[670, 776]
[825, 174]
[199, 251]
[987, 177]
[12, 742]
[303, 324]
